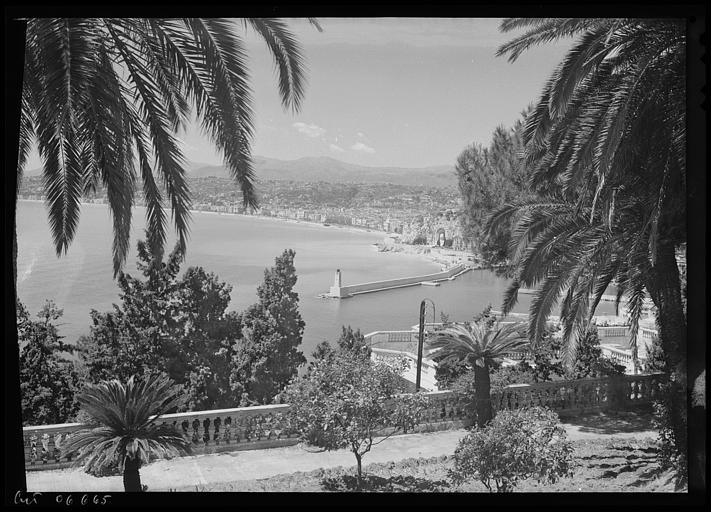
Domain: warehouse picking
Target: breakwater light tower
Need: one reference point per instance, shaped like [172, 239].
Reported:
[336, 288]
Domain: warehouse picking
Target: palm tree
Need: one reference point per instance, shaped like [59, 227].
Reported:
[105, 97]
[128, 434]
[608, 136]
[556, 248]
[479, 345]
[606, 144]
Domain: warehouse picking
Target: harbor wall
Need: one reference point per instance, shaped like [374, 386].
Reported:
[354, 289]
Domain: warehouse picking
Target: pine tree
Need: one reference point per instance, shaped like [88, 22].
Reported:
[48, 381]
[267, 356]
[165, 324]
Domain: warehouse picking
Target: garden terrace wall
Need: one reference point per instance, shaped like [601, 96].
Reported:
[250, 428]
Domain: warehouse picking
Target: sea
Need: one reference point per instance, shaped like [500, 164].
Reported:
[238, 249]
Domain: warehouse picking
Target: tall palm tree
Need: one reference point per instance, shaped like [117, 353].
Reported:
[608, 137]
[606, 142]
[105, 97]
[479, 345]
[128, 435]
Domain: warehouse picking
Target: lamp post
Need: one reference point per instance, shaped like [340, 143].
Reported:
[421, 340]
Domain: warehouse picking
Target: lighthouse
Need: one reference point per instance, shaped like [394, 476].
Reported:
[336, 288]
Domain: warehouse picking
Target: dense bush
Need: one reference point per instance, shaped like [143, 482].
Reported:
[515, 445]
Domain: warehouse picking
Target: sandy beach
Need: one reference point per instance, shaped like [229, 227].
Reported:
[445, 258]
[353, 229]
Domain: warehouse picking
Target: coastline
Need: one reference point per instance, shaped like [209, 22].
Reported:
[445, 258]
[353, 229]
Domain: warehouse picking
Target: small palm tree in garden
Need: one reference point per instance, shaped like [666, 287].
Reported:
[128, 434]
[479, 345]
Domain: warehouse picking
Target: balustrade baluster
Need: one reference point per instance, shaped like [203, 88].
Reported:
[261, 428]
[45, 448]
[279, 421]
[227, 432]
[216, 430]
[196, 436]
[206, 431]
[246, 428]
[57, 447]
[267, 425]
[33, 449]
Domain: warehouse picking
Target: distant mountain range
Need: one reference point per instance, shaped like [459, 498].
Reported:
[328, 169]
[335, 171]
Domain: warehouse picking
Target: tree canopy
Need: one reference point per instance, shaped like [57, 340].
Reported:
[489, 176]
[48, 380]
[347, 400]
[267, 354]
[166, 324]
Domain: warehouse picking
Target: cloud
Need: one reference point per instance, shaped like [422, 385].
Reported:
[359, 146]
[361, 135]
[310, 130]
[337, 149]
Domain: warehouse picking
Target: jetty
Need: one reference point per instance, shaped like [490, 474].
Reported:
[339, 291]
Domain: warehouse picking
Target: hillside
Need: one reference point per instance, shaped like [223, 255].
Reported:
[335, 171]
[327, 169]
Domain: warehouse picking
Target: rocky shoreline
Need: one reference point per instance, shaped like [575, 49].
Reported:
[444, 257]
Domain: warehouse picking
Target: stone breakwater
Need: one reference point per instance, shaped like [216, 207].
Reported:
[340, 291]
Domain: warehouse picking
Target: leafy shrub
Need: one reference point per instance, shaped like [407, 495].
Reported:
[520, 444]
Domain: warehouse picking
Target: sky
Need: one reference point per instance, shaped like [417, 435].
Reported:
[402, 92]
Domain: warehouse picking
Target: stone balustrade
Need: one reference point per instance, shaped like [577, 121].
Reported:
[583, 395]
[208, 431]
[612, 331]
[428, 378]
[245, 428]
[378, 337]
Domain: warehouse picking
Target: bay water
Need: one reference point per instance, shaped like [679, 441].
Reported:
[238, 249]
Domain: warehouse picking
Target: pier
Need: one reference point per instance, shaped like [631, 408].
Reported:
[341, 292]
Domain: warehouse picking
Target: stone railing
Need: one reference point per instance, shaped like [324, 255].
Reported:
[265, 426]
[623, 357]
[612, 331]
[208, 431]
[374, 338]
[582, 396]
[647, 333]
[428, 379]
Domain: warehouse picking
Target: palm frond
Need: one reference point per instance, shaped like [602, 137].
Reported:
[545, 31]
[288, 58]
[169, 158]
[475, 342]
